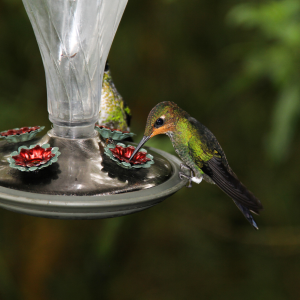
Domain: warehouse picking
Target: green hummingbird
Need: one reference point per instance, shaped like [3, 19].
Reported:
[200, 152]
[114, 111]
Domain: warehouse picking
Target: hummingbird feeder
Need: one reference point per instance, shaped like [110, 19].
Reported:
[114, 134]
[21, 134]
[33, 158]
[74, 38]
[121, 154]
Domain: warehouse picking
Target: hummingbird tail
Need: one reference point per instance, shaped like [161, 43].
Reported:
[246, 212]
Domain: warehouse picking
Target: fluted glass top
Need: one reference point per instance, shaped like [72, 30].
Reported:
[74, 38]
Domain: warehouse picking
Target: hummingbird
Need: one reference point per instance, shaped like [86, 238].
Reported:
[201, 154]
[114, 111]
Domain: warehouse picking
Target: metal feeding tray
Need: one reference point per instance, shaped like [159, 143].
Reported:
[85, 183]
[74, 38]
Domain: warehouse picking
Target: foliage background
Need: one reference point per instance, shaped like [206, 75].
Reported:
[233, 65]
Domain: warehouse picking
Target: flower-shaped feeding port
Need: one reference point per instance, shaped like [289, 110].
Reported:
[33, 158]
[115, 134]
[121, 154]
[21, 134]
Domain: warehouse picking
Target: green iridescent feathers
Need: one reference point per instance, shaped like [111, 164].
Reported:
[201, 152]
[114, 111]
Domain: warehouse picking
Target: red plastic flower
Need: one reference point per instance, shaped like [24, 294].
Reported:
[33, 157]
[102, 126]
[19, 131]
[123, 154]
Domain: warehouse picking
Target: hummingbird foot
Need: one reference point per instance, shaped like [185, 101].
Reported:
[185, 167]
[182, 176]
[192, 176]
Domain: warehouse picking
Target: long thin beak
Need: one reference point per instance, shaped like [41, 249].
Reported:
[140, 145]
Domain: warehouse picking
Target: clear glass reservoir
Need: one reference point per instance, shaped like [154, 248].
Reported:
[74, 38]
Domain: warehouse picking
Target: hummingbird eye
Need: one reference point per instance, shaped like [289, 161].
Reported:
[159, 122]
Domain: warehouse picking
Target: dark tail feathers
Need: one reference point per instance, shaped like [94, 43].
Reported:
[227, 181]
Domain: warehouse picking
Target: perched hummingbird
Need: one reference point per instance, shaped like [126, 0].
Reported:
[201, 153]
[114, 111]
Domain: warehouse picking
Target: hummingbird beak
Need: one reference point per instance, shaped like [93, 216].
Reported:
[140, 145]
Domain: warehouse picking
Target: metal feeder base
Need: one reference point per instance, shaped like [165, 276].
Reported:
[85, 183]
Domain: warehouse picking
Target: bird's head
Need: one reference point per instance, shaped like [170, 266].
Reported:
[162, 119]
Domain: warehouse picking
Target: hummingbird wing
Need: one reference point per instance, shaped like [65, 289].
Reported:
[218, 169]
[230, 184]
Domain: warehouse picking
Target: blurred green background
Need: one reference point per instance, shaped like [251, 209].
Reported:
[234, 66]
